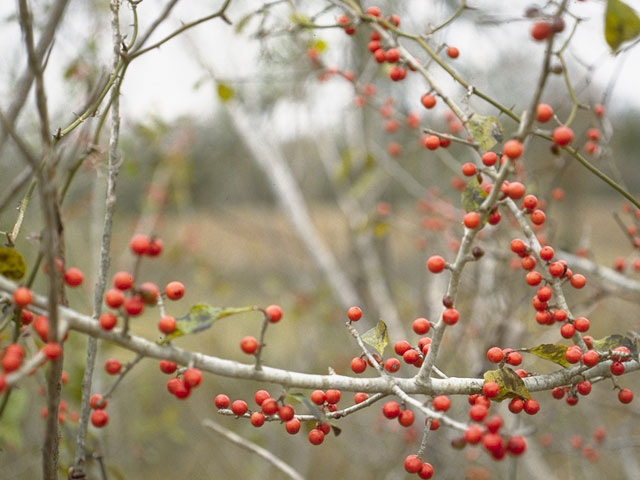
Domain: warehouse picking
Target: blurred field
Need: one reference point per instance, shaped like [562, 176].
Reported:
[241, 256]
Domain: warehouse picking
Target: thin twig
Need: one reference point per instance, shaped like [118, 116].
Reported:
[253, 448]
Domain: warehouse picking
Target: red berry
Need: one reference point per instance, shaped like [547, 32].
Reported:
[167, 324]
[534, 278]
[123, 280]
[412, 464]
[192, 377]
[374, 11]
[411, 356]
[453, 52]
[222, 401]
[113, 366]
[174, 290]
[513, 148]
[392, 55]
[426, 471]
[155, 247]
[473, 434]
[469, 169]
[428, 100]
[617, 368]
[73, 277]
[391, 409]
[478, 412]
[514, 358]
[450, 316]
[538, 217]
[114, 298]
[584, 387]
[26, 317]
[318, 397]
[292, 426]
[567, 330]
[578, 281]
[406, 418]
[557, 393]
[531, 406]
[149, 292]
[490, 389]
[96, 402]
[572, 355]
[582, 324]
[260, 396]
[354, 314]
[316, 436]
[544, 293]
[358, 365]
[333, 396]
[286, 413]
[168, 367]
[471, 220]
[516, 445]
[516, 405]
[239, 407]
[421, 326]
[249, 345]
[274, 313]
[257, 419]
[108, 321]
[544, 113]
[441, 403]
[541, 30]
[495, 354]
[547, 253]
[269, 406]
[52, 350]
[134, 305]
[562, 135]
[99, 418]
[432, 142]
[397, 73]
[489, 158]
[436, 264]
[139, 244]
[22, 296]
[392, 365]
[518, 246]
[360, 397]
[625, 395]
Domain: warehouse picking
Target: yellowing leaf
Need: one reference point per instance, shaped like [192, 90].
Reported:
[621, 24]
[612, 341]
[225, 92]
[511, 385]
[473, 195]
[486, 131]
[553, 352]
[380, 229]
[12, 263]
[200, 317]
[377, 337]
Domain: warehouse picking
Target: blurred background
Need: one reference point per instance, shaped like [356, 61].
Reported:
[218, 121]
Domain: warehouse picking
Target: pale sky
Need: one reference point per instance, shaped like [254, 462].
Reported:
[161, 82]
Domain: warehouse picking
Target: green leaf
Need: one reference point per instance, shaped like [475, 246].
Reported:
[621, 24]
[377, 337]
[225, 92]
[473, 195]
[12, 264]
[511, 385]
[553, 352]
[612, 341]
[486, 131]
[366, 183]
[200, 317]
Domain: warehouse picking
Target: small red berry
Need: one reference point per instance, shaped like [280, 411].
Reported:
[490, 389]
[222, 401]
[513, 148]
[134, 305]
[471, 220]
[318, 397]
[257, 419]
[316, 436]
[360, 397]
[249, 345]
[625, 395]
[436, 264]
[73, 277]
[544, 113]
[412, 464]
[441, 403]
[358, 365]
[562, 135]
[489, 158]
[123, 280]
[174, 290]
[428, 100]
[450, 316]
[354, 314]
[139, 244]
[114, 298]
[22, 296]
[167, 324]
[274, 312]
[113, 366]
[333, 396]
[531, 406]
[239, 407]
[495, 354]
[421, 326]
[96, 402]
[168, 367]
[52, 350]
[192, 377]
[453, 52]
[99, 418]
[108, 321]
